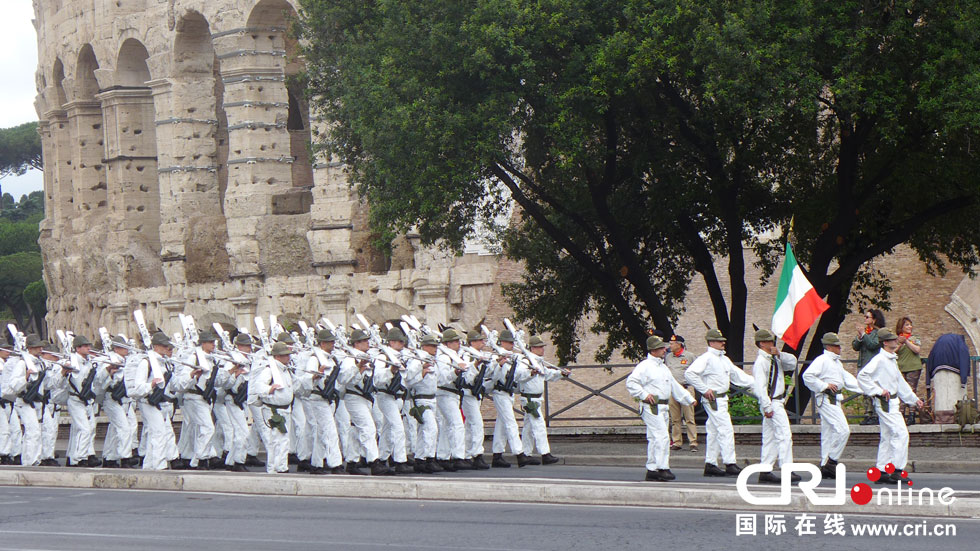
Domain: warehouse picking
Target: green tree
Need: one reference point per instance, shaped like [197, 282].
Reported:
[36, 299]
[17, 271]
[20, 149]
[644, 140]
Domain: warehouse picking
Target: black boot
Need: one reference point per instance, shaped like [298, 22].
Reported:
[110, 464]
[768, 478]
[238, 468]
[548, 459]
[655, 476]
[479, 463]
[352, 468]
[304, 466]
[379, 468]
[403, 468]
[339, 469]
[712, 470]
[732, 469]
[94, 461]
[523, 460]
[462, 465]
[498, 461]
[827, 471]
[433, 465]
[252, 461]
[362, 463]
[666, 474]
[447, 465]
[291, 459]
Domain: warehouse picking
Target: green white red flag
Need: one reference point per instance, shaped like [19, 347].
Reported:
[797, 303]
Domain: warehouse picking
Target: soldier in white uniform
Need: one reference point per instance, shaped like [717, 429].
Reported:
[535, 432]
[235, 396]
[388, 379]
[146, 382]
[5, 407]
[881, 379]
[510, 371]
[326, 456]
[272, 390]
[711, 374]
[448, 397]
[826, 378]
[55, 388]
[356, 376]
[197, 384]
[473, 394]
[81, 451]
[652, 383]
[421, 379]
[24, 377]
[109, 379]
[770, 388]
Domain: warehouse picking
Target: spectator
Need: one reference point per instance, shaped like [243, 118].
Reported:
[909, 361]
[867, 346]
[947, 371]
[678, 360]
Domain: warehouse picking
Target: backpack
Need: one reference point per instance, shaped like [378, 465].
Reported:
[966, 414]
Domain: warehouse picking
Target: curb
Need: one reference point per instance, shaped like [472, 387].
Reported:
[635, 494]
[696, 461]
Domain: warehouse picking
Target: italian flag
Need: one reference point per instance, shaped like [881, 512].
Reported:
[797, 303]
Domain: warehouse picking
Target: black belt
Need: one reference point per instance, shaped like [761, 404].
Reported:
[453, 390]
[532, 395]
[267, 404]
[389, 393]
[423, 396]
[367, 397]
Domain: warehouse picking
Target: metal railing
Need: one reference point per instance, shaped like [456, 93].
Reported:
[630, 410]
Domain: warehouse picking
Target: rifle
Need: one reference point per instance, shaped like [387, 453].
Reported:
[158, 394]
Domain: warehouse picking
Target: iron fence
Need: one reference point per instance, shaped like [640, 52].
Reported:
[630, 411]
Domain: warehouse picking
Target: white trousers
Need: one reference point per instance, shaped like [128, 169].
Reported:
[411, 427]
[168, 426]
[534, 434]
[49, 431]
[116, 445]
[255, 433]
[156, 447]
[834, 430]
[16, 434]
[894, 444]
[5, 429]
[342, 417]
[658, 436]
[80, 444]
[392, 437]
[453, 429]
[130, 407]
[505, 428]
[720, 434]
[238, 439]
[425, 443]
[197, 414]
[326, 443]
[224, 433]
[364, 431]
[473, 425]
[777, 439]
[276, 443]
[30, 453]
[301, 439]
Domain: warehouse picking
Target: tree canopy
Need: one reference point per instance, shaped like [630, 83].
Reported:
[643, 140]
[20, 149]
[22, 291]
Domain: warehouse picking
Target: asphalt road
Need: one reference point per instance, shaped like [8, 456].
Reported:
[59, 519]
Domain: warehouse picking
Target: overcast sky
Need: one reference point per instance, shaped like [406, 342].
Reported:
[18, 42]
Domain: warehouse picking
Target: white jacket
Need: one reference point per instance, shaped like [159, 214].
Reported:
[714, 371]
[652, 377]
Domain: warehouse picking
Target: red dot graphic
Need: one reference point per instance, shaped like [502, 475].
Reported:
[873, 474]
[904, 474]
[889, 468]
[861, 493]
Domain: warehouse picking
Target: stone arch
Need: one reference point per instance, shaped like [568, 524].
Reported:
[131, 68]
[198, 228]
[90, 198]
[58, 81]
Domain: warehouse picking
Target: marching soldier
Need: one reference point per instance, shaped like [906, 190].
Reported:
[473, 393]
[767, 372]
[535, 432]
[881, 379]
[322, 406]
[24, 376]
[358, 381]
[195, 379]
[652, 383]
[109, 379]
[272, 390]
[235, 396]
[511, 370]
[711, 374]
[5, 406]
[388, 381]
[422, 380]
[448, 396]
[146, 382]
[678, 359]
[55, 393]
[81, 450]
[826, 378]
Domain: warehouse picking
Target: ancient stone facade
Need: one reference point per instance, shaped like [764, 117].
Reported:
[178, 177]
